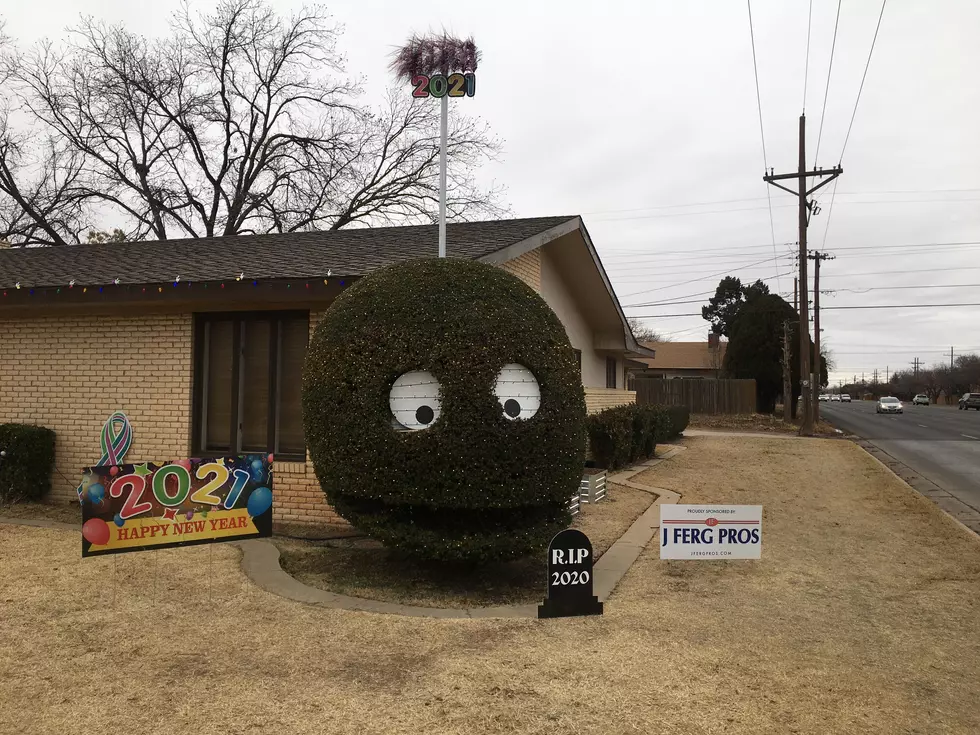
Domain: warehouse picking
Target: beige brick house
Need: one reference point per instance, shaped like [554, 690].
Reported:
[201, 342]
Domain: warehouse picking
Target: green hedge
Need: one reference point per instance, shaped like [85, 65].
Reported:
[474, 485]
[623, 435]
[25, 471]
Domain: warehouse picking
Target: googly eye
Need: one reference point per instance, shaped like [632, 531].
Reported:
[517, 391]
[415, 400]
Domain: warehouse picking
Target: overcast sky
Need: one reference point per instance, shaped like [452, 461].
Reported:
[642, 117]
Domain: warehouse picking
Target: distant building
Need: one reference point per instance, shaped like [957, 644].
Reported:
[681, 360]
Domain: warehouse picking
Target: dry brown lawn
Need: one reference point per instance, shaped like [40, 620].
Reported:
[769, 423]
[61, 511]
[363, 568]
[862, 617]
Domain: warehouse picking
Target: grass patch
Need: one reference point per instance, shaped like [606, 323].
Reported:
[63, 511]
[861, 617]
[758, 422]
[363, 568]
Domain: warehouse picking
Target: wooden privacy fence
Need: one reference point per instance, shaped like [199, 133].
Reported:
[700, 396]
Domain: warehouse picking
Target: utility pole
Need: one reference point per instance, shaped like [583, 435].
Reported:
[795, 287]
[802, 175]
[950, 358]
[817, 257]
[915, 367]
[886, 375]
[787, 380]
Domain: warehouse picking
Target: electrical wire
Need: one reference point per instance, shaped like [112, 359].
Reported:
[863, 77]
[826, 90]
[828, 308]
[702, 278]
[759, 199]
[762, 133]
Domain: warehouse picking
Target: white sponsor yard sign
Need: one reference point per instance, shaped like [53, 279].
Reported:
[710, 531]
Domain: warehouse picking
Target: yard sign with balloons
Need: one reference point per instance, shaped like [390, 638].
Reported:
[133, 507]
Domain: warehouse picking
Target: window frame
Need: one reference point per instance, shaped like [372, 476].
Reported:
[612, 368]
[201, 374]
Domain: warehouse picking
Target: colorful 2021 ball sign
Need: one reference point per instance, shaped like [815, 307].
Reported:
[440, 85]
[135, 507]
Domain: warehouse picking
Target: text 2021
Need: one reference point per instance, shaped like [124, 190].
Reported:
[439, 85]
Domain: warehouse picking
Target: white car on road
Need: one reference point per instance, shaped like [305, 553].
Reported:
[889, 404]
[921, 399]
[845, 397]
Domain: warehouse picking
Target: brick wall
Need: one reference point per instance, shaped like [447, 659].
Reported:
[526, 267]
[299, 498]
[597, 399]
[59, 372]
[71, 374]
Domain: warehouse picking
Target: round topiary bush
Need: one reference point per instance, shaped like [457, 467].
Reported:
[444, 411]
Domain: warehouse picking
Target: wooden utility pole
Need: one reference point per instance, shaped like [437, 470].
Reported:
[795, 287]
[802, 175]
[787, 380]
[816, 257]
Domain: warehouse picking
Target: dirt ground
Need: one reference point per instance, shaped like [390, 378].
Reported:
[861, 617]
[63, 512]
[364, 568]
[755, 422]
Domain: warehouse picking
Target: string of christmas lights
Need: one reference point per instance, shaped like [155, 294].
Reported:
[177, 282]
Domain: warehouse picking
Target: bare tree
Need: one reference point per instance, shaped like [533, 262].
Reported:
[239, 121]
[643, 333]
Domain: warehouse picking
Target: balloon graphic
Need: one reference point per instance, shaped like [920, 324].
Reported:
[118, 520]
[96, 531]
[113, 471]
[96, 493]
[189, 515]
[257, 464]
[259, 501]
[270, 459]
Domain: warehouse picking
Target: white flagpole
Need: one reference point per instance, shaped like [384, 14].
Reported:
[442, 177]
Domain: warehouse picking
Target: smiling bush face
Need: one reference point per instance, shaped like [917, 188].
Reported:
[444, 411]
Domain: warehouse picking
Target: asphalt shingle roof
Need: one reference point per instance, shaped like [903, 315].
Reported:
[296, 255]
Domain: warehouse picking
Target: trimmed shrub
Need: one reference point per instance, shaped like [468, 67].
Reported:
[474, 485]
[25, 471]
[623, 435]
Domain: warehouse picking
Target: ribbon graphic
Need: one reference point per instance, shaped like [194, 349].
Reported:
[114, 442]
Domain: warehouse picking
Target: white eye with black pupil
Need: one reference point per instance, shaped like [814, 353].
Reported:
[517, 391]
[415, 400]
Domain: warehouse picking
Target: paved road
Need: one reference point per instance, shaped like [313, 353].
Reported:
[941, 443]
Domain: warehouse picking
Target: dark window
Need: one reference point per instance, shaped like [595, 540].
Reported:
[610, 372]
[578, 356]
[247, 377]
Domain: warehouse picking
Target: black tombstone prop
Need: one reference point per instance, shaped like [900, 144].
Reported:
[570, 577]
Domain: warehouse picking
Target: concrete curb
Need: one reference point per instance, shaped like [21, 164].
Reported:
[962, 514]
[260, 562]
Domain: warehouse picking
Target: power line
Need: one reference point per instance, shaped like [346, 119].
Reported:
[743, 250]
[759, 199]
[867, 306]
[762, 134]
[725, 272]
[895, 288]
[826, 90]
[863, 76]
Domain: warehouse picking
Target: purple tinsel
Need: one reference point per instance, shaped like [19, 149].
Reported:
[435, 54]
